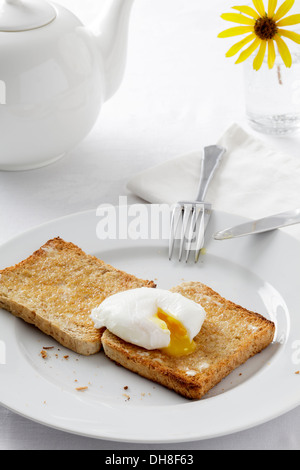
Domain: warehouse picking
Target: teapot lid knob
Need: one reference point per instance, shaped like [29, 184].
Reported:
[23, 15]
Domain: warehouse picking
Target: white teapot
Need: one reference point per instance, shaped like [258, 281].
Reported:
[55, 74]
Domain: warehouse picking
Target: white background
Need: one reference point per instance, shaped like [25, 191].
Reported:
[179, 93]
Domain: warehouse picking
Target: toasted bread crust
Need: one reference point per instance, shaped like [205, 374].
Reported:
[56, 288]
[230, 335]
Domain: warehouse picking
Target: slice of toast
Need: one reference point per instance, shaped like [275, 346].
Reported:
[56, 288]
[230, 335]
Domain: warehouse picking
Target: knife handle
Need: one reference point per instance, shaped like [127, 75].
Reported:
[211, 158]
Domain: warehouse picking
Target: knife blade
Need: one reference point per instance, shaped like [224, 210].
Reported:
[266, 224]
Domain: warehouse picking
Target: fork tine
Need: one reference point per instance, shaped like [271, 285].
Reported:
[196, 211]
[200, 234]
[187, 209]
[176, 214]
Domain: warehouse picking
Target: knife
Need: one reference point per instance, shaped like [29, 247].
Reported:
[273, 222]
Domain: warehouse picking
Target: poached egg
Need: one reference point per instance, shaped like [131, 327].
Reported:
[152, 319]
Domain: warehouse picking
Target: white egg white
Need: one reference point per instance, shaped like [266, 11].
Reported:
[130, 315]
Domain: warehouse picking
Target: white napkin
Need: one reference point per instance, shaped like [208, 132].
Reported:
[252, 180]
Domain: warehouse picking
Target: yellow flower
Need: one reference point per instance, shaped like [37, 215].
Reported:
[264, 30]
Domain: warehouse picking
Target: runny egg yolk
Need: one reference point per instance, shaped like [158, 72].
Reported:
[180, 343]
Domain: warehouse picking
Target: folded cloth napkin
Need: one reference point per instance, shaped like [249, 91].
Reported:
[252, 180]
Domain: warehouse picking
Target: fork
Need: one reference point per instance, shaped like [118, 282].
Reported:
[194, 215]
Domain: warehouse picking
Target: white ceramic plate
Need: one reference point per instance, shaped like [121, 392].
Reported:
[261, 273]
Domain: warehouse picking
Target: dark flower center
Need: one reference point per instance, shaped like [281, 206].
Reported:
[265, 28]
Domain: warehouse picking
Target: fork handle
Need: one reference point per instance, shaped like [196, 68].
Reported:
[211, 158]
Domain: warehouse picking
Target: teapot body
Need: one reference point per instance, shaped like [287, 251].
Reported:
[52, 87]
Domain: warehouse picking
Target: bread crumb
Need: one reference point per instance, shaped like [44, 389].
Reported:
[66, 357]
[48, 347]
[126, 387]
[81, 389]
[126, 396]
[43, 354]
[298, 372]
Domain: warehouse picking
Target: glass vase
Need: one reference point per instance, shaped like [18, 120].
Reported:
[273, 96]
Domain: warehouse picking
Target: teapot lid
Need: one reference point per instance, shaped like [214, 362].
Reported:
[23, 15]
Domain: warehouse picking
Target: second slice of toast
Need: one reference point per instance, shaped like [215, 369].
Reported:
[56, 288]
[230, 335]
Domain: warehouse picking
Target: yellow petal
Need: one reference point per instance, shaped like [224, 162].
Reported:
[289, 20]
[290, 35]
[257, 63]
[237, 18]
[284, 9]
[239, 45]
[259, 5]
[283, 51]
[247, 11]
[272, 7]
[247, 52]
[236, 31]
[271, 54]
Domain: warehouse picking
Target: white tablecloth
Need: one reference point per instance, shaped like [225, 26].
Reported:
[179, 93]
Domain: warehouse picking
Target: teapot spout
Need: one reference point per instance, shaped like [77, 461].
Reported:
[111, 34]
